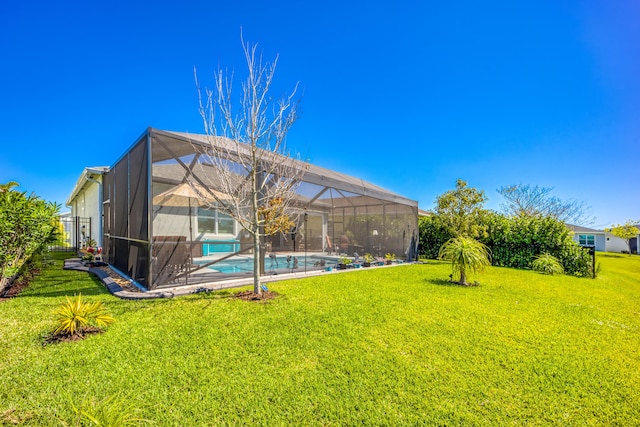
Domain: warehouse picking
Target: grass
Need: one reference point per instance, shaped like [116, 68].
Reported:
[394, 346]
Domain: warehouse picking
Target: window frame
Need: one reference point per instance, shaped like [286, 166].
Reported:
[583, 239]
[217, 217]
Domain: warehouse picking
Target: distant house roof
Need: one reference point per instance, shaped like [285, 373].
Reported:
[581, 229]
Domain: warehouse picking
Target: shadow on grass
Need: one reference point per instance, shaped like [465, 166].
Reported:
[85, 291]
[443, 282]
[434, 262]
[58, 286]
[611, 255]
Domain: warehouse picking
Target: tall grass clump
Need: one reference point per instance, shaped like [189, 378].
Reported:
[547, 264]
[110, 412]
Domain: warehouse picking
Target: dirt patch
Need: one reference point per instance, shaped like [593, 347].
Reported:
[19, 284]
[251, 296]
[76, 336]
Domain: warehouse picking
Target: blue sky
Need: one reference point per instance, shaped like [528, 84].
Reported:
[410, 95]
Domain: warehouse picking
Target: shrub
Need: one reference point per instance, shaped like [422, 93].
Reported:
[516, 241]
[76, 316]
[27, 225]
[433, 234]
[547, 264]
[575, 260]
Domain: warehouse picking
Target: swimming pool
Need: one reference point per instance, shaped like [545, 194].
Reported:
[245, 265]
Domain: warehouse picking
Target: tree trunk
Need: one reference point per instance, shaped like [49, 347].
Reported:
[463, 278]
[256, 264]
[5, 282]
[257, 178]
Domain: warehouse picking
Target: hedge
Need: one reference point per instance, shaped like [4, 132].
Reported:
[515, 241]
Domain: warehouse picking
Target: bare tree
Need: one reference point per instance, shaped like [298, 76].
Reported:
[255, 178]
[527, 200]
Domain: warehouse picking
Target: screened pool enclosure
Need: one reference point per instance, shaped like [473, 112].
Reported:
[163, 229]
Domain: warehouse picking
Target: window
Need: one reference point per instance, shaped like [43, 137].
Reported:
[212, 221]
[587, 239]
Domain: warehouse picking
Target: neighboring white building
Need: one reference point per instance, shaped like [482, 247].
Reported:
[85, 201]
[602, 240]
[616, 244]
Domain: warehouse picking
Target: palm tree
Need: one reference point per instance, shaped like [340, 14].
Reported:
[465, 254]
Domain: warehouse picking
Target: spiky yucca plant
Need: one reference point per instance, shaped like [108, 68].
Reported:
[466, 255]
[547, 264]
[75, 315]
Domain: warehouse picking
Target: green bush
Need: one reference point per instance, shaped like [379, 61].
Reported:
[27, 225]
[433, 234]
[516, 241]
[575, 260]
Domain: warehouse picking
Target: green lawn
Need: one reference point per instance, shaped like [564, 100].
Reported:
[392, 346]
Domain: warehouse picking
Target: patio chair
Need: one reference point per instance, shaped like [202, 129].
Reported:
[329, 246]
[171, 256]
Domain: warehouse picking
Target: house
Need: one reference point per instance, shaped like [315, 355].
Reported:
[603, 240]
[616, 244]
[589, 237]
[156, 213]
[85, 202]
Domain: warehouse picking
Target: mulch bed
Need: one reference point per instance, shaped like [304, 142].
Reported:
[19, 285]
[66, 337]
[251, 296]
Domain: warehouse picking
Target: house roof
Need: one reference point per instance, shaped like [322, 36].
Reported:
[581, 229]
[85, 177]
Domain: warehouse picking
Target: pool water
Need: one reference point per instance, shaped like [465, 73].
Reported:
[245, 265]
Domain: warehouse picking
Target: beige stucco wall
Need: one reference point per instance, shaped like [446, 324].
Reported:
[86, 204]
